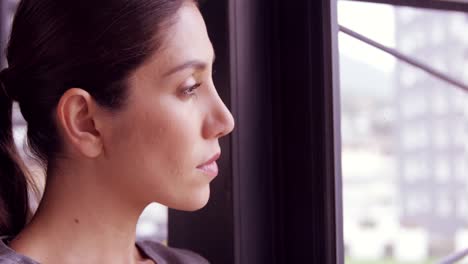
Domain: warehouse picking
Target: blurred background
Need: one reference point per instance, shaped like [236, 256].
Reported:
[404, 135]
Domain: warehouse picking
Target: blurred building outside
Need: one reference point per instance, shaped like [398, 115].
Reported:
[404, 136]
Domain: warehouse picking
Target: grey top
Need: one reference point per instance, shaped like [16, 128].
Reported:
[154, 250]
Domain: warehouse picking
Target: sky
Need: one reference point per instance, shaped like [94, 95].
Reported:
[375, 21]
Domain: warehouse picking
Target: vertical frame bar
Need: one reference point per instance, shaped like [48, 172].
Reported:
[4, 12]
[275, 201]
[304, 147]
[335, 79]
[252, 140]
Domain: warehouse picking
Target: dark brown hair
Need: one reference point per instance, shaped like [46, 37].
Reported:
[56, 45]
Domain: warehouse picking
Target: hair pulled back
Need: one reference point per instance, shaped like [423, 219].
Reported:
[56, 45]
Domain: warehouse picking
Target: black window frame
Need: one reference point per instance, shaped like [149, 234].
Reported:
[278, 196]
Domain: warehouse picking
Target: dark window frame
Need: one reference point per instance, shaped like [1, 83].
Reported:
[278, 199]
[278, 196]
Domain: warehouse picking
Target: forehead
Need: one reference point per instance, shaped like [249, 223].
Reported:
[186, 38]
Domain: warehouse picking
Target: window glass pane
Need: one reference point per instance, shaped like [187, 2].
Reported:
[153, 221]
[404, 135]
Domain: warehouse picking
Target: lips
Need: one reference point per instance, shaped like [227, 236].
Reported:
[210, 167]
[213, 159]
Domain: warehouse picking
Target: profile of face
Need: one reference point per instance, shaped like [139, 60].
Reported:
[156, 146]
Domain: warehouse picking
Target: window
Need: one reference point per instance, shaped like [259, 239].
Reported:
[409, 76]
[414, 135]
[440, 104]
[441, 138]
[460, 168]
[444, 205]
[418, 203]
[426, 148]
[442, 170]
[413, 106]
[415, 168]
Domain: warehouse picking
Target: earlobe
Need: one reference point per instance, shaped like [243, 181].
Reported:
[76, 112]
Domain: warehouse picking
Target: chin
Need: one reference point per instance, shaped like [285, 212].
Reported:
[194, 202]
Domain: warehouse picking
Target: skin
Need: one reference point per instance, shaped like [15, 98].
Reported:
[116, 163]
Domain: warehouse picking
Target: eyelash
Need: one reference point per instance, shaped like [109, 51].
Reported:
[190, 91]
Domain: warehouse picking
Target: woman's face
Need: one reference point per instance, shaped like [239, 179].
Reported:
[172, 122]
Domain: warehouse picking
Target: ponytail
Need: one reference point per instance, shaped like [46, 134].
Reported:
[14, 202]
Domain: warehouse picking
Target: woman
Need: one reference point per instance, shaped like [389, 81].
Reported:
[121, 111]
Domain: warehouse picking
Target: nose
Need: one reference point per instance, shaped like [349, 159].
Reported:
[219, 121]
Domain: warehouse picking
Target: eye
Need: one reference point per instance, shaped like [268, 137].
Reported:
[190, 91]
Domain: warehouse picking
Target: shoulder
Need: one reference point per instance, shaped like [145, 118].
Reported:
[165, 254]
[9, 256]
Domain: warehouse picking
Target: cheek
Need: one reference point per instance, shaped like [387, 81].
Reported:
[168, 149]
[166, 143]
[156, 152]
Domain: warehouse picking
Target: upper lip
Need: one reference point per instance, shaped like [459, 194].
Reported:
[212, 159]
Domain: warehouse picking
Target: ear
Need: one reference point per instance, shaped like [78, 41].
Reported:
[76, 113]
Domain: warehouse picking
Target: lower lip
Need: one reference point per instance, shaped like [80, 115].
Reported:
[210, 169]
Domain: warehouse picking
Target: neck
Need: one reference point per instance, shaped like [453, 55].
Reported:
[79, 220]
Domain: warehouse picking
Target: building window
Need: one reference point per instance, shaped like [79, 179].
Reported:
[413, 106]
[409, 76]
[415, 135]
[444, 205]
[418, 203]
[440, 136]
[442, 170]
[416, 168]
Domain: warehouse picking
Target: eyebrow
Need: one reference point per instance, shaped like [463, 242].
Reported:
[196, 64]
